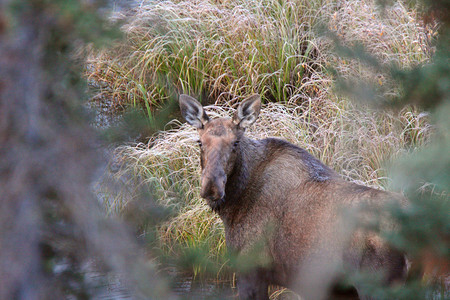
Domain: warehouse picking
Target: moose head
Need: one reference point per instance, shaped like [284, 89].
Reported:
[219, 142]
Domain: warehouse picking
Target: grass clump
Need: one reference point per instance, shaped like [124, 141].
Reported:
[377, 41]
[217, 50]
[393, 34]
[211, 50]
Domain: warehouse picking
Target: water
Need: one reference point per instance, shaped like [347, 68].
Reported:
[184, 286]
[187, 287]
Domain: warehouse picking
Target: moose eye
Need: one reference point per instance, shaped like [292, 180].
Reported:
[199, 143]
[235, 144]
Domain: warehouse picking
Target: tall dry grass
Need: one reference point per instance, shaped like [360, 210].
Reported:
[225, 50]
[221, 49]
[213, 50]
[394, 35]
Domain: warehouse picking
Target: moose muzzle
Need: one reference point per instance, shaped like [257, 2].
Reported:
[213, 184]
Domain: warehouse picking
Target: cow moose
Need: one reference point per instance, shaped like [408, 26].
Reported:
[274, 191]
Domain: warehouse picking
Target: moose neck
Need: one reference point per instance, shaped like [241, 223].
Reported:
[250, 154]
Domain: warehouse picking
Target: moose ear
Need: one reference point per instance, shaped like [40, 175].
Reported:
[247, 112]
[192, 111]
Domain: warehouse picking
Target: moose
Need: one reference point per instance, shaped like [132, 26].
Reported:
[274, 192]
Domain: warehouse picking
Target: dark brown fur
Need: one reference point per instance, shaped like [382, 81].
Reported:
[275, 192]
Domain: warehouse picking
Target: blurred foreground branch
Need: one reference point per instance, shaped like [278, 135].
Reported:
[48, 214]
[424, 173]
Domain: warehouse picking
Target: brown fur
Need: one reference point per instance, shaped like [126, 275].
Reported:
[274, 192]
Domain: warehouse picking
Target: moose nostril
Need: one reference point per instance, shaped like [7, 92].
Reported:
[212, 195]
[208, 196]
[213, 189]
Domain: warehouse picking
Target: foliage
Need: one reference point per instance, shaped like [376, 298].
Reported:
[424, 174]
[53, 234]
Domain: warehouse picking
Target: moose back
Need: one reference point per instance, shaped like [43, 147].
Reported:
[272, 193]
